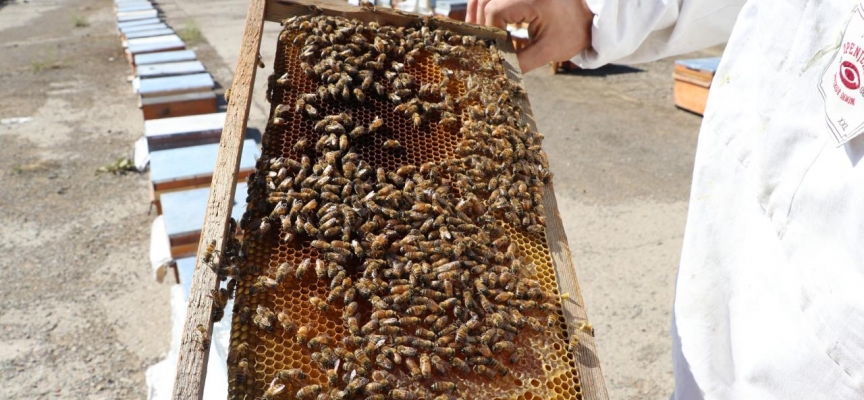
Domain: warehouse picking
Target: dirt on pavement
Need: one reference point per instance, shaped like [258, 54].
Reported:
[80, 313]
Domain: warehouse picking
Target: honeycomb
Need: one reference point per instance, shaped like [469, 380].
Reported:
[547, 370]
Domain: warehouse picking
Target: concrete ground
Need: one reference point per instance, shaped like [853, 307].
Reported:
[80, 313]
[621, 152]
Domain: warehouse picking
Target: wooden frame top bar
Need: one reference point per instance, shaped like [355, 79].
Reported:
[279, 10]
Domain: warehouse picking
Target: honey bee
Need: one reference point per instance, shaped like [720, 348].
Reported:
[353, 326]
[416, 310]
[408, 321]
[350, 309]
[390, 330]
[383, 362]
[241, 372]
[319, 303]
[332, 377]
[203, 337]
[392, 144]
[362, 358]
[460, 365]
[425, 366]
[377, 387]
[238, 351]
[444, 351]
[443, 387]
[516, 355]
[461, 334]
[320, 341]
[379, 89]
[534, 324]
[302, 335]
[209, 252]
[264, 318]
[551, 320]
[283, 271]
[413, 368]
[287, 323]
[274, 390]
[401, 394]
[220, 298]
[357, 383]
[383, 314]
[308, 392]
[376, 124]
[338, 278]
[481, 369]
[425, 333]
[302, 268]
[359, 95]
[503, 346]
[310, 111]
[293, 374]
[370, 327]
[439, 364]
[245, 313]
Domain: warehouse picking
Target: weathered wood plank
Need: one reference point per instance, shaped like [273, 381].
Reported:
[146, 27]
[169, 133]
[134, 7]
[123, 25]
[164, 57]
[170, 69]
[192, 363]
[171, 85]
[144, 48]
[136, 15]
[179, 105]
[147, 33]
[176, 169]
[167, 38]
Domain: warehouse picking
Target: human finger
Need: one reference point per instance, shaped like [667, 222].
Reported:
[481, 11]
[500, 13]
[471, 14]
[536, 55]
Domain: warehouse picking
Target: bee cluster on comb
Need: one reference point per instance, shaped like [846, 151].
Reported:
[394, 242]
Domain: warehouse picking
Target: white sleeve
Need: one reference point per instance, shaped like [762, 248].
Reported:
[633, 31]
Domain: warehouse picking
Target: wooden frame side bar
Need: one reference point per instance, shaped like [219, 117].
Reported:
[591, 380]
[192, 363]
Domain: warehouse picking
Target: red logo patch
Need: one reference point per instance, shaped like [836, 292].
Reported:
[849, 75]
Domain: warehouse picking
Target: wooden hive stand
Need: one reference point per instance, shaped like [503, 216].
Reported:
[192, 362]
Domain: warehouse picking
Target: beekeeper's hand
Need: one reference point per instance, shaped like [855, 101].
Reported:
[559, 29]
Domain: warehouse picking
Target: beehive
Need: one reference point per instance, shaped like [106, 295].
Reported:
[547, 370]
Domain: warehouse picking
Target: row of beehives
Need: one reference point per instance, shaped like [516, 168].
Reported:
[182, 127]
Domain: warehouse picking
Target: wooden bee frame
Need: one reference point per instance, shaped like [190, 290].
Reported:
[192, 363]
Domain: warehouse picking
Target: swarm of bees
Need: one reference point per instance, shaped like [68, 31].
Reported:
[422, 249]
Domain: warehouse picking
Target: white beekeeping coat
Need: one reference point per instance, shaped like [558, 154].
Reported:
[770, 294]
